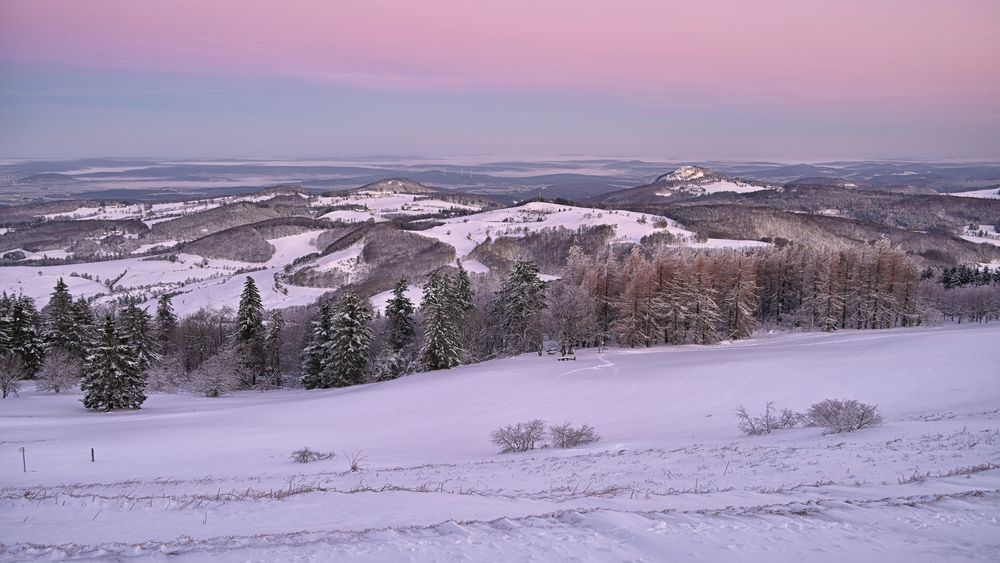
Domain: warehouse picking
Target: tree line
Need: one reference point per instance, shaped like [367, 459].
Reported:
[628, 296]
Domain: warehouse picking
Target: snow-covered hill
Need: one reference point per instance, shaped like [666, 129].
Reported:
[686, 181]
[206, 274]
[193, 479]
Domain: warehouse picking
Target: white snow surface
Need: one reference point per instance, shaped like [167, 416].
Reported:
[685, 173]
[196, 479]
[382, 206]
[713, 188]
[991, 193]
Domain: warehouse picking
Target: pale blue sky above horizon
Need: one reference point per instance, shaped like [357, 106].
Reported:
[164, 96]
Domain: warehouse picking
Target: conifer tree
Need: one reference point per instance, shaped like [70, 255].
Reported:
[315, 352]
[704, 311]
[166, 323]
[134, 327]
[249, 337]
[440, 349]
[24, 334]
[6, 306]
[111, 377]
[346, 359]
[517, 307]
[272, 348]
[463, 290]
[60, 326]
[739, 303]
[399, 313]
[86, 326]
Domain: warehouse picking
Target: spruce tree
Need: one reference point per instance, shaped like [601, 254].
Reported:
[86, 326]
[517, 307]
[6, 307]
[440, 349]
[399, 313]
[249, 337]
[134, 326]
[111, 377]
[463, 290]
[272, 348]
[346, 360]
[315, 351]
[166, 323]
[25, 335]
[60, 326]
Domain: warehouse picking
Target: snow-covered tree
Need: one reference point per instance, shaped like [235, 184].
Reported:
[740, 302]
[134, 326]
[216, 376]
[111, 375]
[463, 290]
[314, 354]
[60, 371]
[570, 317]
[86, 325]
[166, 323]
[272, 348]
[399, 313]
[518, 306]
[440, 348]
[249, 337]
[638, 309]
[25, 335]
[11, 373]
[346, 360]
[60, 326]
[704, 310]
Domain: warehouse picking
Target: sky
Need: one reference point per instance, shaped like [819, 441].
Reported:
[769, 79]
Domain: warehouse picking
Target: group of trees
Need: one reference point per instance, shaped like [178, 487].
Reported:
[66, 345]
[629, 295]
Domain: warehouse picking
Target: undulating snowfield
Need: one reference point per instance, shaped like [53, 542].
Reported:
[197, 479]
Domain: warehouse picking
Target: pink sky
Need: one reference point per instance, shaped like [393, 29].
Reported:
[868, 74]
[785, 51]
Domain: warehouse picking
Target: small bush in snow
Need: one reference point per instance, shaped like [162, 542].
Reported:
[566, 436]
[519, 437]
[755, 426]
[789, 418]
[843, 415]
[306, 455]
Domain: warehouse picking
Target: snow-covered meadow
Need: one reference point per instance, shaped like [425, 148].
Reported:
[194, 479]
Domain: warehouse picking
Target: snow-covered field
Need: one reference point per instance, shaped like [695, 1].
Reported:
[197, 479]
[991, 193]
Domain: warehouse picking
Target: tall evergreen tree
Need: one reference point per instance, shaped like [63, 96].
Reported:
[60, 326]
[6, 309]
[112, 378]
[463, 290]
[25, 334]
[346, 360]
[315, 351]
[272, 348]
[134, 326]
[399, 313]
[249, 337]
[517, 306]
[441, 348]
[166, 324]
[86, 326]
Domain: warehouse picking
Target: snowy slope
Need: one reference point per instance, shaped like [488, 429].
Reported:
[197, 479]
[991, 193]
[464, 233]
[383, 205]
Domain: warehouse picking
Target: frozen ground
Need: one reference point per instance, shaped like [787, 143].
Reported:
[196, 479]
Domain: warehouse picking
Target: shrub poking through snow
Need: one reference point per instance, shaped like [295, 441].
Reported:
[566, 436]
[519, 437]
[764, 424]
[837, 415]
[306, 455]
